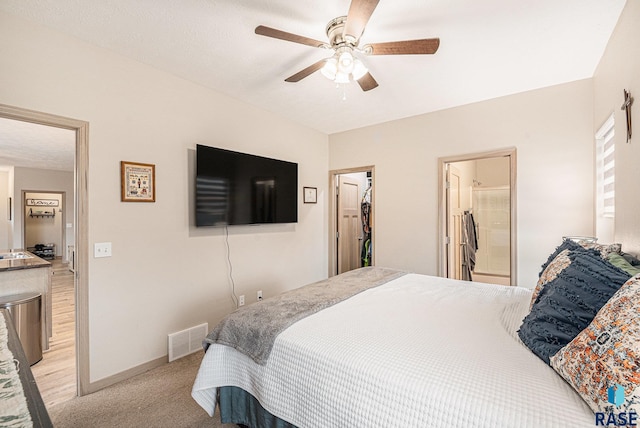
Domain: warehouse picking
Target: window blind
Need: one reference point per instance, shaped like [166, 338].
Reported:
[605, 149]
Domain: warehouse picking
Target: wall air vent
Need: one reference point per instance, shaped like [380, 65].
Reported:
[185, 342]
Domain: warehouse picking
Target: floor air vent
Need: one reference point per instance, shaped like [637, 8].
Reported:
[187, 341]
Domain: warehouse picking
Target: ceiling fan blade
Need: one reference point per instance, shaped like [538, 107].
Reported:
[367, 82]
[289, 37]
[306, 72]
[359, 13]
[406, 47]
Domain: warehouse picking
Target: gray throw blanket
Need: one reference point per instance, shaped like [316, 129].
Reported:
[253, 329]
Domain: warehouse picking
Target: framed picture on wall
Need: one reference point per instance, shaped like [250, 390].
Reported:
[310, 195]
[138, 182]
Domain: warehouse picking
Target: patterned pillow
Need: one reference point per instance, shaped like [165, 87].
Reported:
[606, 354]
[603, 249]
[550, 273]
[568, 304]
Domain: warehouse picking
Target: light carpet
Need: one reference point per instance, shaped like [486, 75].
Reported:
[158, 398]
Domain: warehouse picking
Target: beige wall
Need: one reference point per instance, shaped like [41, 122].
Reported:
[619, 69]
[163, 275]
[493, 172]
[552, 130]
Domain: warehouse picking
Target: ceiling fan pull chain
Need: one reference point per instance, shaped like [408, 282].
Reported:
[344, 90]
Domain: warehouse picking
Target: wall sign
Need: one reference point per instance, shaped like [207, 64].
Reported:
[31, 202]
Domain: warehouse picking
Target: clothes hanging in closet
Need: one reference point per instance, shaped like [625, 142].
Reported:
[365, 210]
[469, 245]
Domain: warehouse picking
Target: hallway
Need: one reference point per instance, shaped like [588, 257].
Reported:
[55, 374]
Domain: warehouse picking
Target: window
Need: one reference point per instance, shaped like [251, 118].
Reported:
[605, 169]
[605, 181]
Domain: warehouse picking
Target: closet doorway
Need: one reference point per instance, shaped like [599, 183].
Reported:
[351, 226]
[478, 217]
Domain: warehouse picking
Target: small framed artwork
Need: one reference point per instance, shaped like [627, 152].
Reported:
[310, 195]
[138, 182]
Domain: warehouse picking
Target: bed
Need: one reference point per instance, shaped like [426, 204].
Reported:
[403, 350]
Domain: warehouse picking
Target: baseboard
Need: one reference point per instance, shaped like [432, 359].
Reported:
[119, 377]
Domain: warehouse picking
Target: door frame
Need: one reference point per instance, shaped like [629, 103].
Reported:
[442, 214]
[81, 273]
[454, 272]
[333, 213]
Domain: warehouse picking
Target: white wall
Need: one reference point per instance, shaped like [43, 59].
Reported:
[163, 276]
[552, 130]
[619, 69]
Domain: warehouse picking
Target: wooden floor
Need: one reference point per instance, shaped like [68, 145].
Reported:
[55, 374]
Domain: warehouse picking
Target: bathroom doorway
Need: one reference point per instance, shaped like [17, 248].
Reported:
[477, 217]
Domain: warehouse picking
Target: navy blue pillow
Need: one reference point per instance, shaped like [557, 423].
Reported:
[568, 304]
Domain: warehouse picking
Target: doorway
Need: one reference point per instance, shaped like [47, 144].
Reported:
[80, 241]
[477, 217]
[351, 226]
[44, 223]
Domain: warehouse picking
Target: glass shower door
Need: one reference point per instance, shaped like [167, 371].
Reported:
[491, 211]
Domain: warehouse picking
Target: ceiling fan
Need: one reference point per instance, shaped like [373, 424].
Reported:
[344, 35]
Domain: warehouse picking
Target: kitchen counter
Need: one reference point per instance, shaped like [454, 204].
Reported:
[24, 272]
[21, 263]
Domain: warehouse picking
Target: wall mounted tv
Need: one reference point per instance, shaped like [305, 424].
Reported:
[239, 188]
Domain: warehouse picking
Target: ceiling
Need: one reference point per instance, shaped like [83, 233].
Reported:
[488, 49]
[30, 145]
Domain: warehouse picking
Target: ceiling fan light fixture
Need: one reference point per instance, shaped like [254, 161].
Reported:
[343, 67]
[345, 62]
[359, 69]
[330, 68]
[341, 77]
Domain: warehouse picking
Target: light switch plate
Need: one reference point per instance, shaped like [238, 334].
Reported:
[102, 249]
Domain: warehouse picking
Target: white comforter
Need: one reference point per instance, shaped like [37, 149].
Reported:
[419, 351]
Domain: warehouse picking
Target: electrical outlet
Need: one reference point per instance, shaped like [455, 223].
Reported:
[259, 295]
[241, 300]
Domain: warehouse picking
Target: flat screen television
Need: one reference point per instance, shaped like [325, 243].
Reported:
[237, 188]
